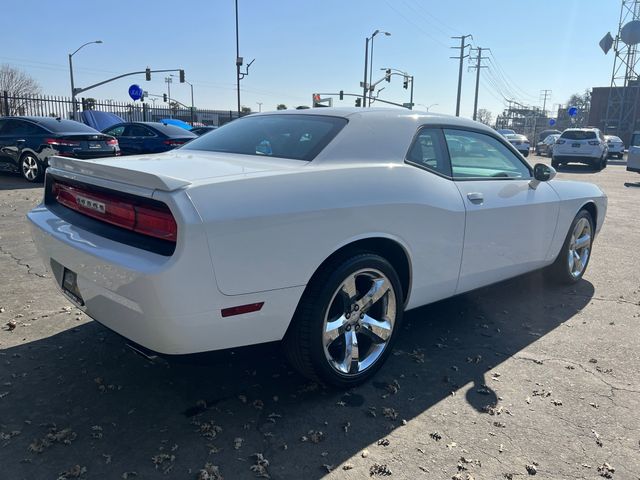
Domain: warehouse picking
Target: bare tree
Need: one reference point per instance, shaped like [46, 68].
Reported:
[20, 88]
[281, 106]
[485, 116]
[245, 110]
[583, 104]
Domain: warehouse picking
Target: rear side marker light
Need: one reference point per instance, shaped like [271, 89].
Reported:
[174, 143]
[239, 310]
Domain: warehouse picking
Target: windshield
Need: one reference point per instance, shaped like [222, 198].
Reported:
[579, 135]
[298, 137]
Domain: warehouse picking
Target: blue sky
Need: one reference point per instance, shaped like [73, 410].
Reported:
[306, 46]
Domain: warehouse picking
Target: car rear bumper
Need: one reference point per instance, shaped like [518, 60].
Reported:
[576, 158]
[170, 305]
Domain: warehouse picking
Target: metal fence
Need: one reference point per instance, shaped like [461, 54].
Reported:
[148, 111]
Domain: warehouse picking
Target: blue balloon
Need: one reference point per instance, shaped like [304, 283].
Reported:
[573, 111]
[552, 122]
[135, 92]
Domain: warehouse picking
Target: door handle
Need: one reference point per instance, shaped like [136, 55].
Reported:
[475, 197]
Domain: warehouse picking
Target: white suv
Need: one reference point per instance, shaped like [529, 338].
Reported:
[633, 157]
[581, 145]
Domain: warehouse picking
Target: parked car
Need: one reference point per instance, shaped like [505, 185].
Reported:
[545, 133]
[581, 145]
[148, 137]
[545, 147]
[27, 143]
[520, 142]
[506, 131]
[615, 146]
[633, 156]
[292, 226]
[202, 130]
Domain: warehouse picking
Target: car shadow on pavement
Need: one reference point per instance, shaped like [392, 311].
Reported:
[14, 181]
[576, 168]
[83, 398]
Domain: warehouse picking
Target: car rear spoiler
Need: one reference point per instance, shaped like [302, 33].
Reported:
[135, 178]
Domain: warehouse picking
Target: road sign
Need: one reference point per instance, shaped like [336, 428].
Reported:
[135, 92]
[573, 111]
[552, 122]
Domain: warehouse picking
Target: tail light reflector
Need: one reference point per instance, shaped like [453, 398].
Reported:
[239, 310]
[154, 221]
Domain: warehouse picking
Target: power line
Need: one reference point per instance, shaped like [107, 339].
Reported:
[415, 25]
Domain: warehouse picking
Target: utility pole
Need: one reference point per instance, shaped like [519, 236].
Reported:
[463, 46]
[478, 66]
[365, 87]
[238, 59]
[544, 95]
[169, 81]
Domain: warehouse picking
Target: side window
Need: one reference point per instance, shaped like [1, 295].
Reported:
[635, 140]
[15, 128]
[476, 155]
[116, 131]
[139, 131]
[427, 151]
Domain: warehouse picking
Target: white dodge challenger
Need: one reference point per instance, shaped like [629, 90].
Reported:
[317, 228]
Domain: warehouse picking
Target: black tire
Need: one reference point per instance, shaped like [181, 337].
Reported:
[559, 270]
[31, 168]
[620, 155]
[304, 341]
[555, 163]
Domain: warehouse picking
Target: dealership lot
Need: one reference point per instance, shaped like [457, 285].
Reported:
[504, 382]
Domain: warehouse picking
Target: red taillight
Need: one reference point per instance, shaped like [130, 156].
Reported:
[154, 221]
[112, 142]
[61, 142]
[174, 143]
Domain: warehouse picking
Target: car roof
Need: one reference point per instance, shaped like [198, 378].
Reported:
[580, 129]
[383, 114]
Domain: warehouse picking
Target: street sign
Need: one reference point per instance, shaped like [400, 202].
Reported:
[572, 111]
[552, 122]
[135, 92]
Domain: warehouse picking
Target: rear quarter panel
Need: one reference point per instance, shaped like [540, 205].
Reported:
[272, 232]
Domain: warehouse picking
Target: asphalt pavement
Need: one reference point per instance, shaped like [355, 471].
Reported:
[510, 381]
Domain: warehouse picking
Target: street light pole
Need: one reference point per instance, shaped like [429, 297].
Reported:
[364, 83]
[73, 88]
[371, 60]
[169, 80]
[259, 106]
[238, 60]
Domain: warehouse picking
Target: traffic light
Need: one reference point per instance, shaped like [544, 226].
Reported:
[341, 95]
[405, 84]
[358, 102]
[164, 97]
[316, 100]
[147, 74]
[387, 75]
[181, 76]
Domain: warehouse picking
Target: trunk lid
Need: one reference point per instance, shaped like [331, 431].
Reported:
[175, 169]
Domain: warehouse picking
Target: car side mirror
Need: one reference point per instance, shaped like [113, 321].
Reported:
[541, 173]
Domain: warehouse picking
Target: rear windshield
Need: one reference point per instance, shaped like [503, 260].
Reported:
[65, 126]
[579, 135]
[298, 137]
[611, 138]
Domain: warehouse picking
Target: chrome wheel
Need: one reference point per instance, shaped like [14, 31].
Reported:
[579, 247]
[30, 168]
[359, 321]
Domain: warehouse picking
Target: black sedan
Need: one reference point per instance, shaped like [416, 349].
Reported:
[148, 137]
[545, 147]
[27, 143]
